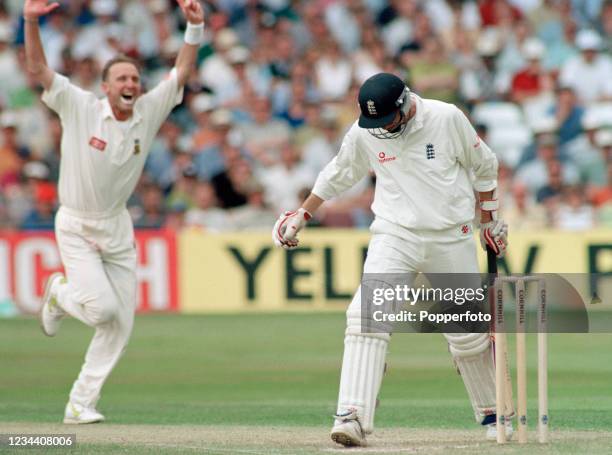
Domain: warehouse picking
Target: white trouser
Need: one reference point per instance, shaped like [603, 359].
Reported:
[99, 257]
[449, 251]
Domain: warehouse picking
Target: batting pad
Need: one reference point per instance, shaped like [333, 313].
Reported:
[362, 370]
[474, 359]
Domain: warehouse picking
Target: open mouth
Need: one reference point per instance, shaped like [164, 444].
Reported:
[128, 98]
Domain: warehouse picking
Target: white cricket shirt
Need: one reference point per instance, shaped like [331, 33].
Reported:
[425, 179]
[101, 160]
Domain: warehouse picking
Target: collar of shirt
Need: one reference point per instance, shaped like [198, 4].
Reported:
[107, 112]
[417, 121]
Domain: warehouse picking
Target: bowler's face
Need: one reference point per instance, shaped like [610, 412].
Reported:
[122, 88]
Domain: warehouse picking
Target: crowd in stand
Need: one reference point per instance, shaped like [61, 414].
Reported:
[275, 90]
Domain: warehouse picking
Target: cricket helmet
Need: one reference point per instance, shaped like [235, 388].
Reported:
[380, 98]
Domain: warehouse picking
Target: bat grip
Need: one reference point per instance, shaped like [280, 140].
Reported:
[491, 261]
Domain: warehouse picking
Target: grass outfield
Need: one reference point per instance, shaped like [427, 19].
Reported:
[268, 384]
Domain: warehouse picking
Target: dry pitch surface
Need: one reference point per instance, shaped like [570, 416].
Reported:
[134, 439]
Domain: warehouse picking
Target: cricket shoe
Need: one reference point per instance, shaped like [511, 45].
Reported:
[347, 430]
[51, 314]
[492, 431]
[76, 414]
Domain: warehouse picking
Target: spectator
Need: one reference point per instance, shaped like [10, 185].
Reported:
[333, 71]
[42, 214]
[152, 214]
[546, 19]
[253, 79]
[34, 200]
[433, 75]
[216, 71]
[574, 214]
[205, 213]
[397, 24]
[231, 184]
[175, 217]
[90, 41]
[551, 192]
[321, 149]
[530, 81]
[585, 150]
[484, 83]
[12, 155]
[264, 135]
[522, 210]
[86, 74]
[589, 73]
[204, 135]
[256, 214]
[498, 12]
[561, 50]
[283, 181]
[602, 195]
[605, 25]
[534, 173]
[12, 79]
[568, 114]
[183, 189]
[167, 158]
[209, 160]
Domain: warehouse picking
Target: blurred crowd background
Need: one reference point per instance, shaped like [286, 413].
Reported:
[275, 91]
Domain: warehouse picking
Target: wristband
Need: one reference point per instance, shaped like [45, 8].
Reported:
[489, 205]
[194, 34]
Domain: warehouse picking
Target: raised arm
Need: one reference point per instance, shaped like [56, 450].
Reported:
[192, 10]
[36, 62]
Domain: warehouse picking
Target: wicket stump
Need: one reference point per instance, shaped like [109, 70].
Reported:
[501, 352]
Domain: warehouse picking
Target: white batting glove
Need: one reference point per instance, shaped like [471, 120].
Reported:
[287, 227]
[495, 235]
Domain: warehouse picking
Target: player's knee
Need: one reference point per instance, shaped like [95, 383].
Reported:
[104, 308]
[467, 344]
[355, 325]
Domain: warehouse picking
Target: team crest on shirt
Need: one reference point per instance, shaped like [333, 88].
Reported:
[97, 143]
[466, 229]
[430, 151]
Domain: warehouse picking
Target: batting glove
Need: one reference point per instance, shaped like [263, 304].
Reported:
[495, 235]
[287, 227]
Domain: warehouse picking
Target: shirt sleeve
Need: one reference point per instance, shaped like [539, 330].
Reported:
[65, 98]
[475, 155]
[160, 101]
[347, 168]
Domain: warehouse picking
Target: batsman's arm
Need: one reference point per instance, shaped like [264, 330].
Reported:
[194, 35]
[475, 155]
[312, 203]
[486, 216]
[341, 173]
[347, 168]
[36, 62]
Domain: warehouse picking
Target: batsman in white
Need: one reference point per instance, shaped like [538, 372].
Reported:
[428, 162]
[104, 146]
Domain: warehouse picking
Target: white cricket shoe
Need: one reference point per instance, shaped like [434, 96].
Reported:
[76, 414]
[492, 431]
[51, 314]
[347, 430]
